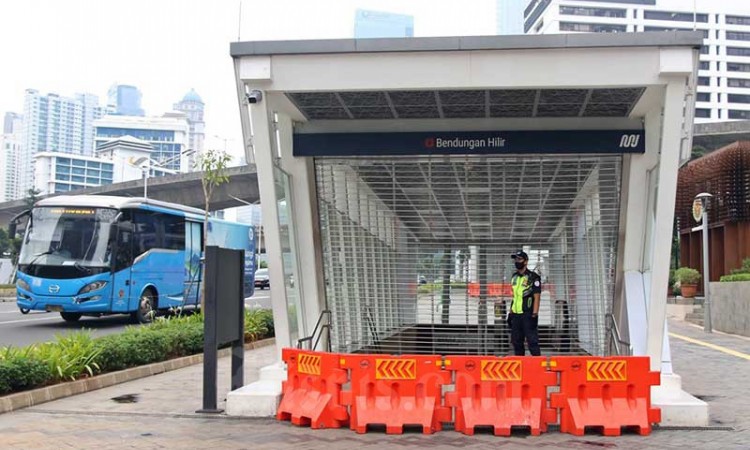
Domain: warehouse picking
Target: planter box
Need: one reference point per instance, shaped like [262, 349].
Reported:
[730, 307]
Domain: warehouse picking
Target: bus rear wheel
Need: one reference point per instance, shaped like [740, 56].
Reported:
[70, 317]
[146, 308]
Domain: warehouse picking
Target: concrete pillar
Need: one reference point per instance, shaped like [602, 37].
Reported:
[261, 399]
[671, 141]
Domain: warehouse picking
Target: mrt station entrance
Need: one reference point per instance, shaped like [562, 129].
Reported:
[397, 176]
[416, 250]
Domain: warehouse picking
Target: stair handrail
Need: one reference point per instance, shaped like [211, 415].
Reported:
[616, 338]
[320, 327]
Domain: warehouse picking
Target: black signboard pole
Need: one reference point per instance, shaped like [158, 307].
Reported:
[210, 346]
[223, 319]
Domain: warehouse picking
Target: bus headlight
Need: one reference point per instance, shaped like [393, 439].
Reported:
[96, 285]
[23, 285]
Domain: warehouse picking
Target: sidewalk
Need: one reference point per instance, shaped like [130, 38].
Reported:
[162, 414]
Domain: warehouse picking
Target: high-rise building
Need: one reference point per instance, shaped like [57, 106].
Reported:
[510, 16]
[13, 123]
[118, 160]
[57, 124]
[124, 100]
[724, 69]
[192, 105]
[168, 135]
[377, 24]
[10, 151]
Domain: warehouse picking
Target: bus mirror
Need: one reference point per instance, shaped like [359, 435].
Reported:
[13, 225]
[125, 226]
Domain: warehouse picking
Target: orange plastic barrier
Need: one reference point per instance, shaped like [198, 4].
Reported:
[609, 393]
[395, 391]
[312, 393]
[501, 392]
[493, 290]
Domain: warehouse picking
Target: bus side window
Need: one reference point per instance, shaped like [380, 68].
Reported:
[124, 252]
[174, 232]
[146, 232]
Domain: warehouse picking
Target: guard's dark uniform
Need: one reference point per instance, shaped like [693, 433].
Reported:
[522, 324]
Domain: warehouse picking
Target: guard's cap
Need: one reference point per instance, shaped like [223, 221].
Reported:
[520, 254]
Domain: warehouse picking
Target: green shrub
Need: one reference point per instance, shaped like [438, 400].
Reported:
[744, 269]
[70, 356]
[77, 354]
[18, 374]
[686, 275]
[258, 324]
[263, 319]
[736, 277]
[162, 340]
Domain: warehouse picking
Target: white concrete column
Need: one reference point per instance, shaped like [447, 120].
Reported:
[671, 141]
[305, 219]
[263, 146]
[635, 247]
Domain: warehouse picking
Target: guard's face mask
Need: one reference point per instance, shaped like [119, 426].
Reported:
[520, 264]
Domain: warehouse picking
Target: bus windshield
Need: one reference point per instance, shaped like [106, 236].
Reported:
[77, 238]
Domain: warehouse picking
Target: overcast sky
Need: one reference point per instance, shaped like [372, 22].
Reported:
[166, 47]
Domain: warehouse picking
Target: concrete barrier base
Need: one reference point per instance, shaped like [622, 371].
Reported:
[678, 408]
[261, 398]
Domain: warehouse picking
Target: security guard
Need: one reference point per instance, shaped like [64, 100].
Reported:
[524, 312]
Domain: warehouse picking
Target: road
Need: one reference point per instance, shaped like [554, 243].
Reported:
[17, 329]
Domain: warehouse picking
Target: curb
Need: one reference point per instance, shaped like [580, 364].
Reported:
[38, 396]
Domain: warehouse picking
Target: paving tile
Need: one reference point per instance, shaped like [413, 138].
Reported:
[163, 415]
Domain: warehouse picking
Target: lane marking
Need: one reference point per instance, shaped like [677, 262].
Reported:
[728, 351]
[30, 320]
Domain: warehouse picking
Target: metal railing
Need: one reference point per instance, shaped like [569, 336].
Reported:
[320, 328]
[616, 339]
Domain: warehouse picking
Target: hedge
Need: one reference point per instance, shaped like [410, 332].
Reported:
[735, 277]
[78, 355]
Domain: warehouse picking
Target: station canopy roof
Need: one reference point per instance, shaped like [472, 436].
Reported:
[464, 102]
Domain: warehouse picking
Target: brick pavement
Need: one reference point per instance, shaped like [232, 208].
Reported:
[163, 415]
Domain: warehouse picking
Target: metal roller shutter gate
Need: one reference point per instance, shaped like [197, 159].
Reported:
[416, 249]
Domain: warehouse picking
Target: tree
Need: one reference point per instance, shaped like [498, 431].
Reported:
[32, 195]
[698, 151]
[213, 164]
[4, 242]
[263, 265]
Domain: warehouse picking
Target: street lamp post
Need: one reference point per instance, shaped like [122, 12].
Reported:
[144, 169]
[145, 164]
[703, 198]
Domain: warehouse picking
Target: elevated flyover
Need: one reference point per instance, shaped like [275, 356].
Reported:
[182, 188]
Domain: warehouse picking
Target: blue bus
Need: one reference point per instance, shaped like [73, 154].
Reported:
[92, 255]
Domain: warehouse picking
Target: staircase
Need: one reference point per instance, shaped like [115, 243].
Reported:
[696, 317]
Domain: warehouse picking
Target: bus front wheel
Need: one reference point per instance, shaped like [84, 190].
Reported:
[70, 317]
[146, 308]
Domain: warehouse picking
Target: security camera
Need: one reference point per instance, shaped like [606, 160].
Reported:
[254, 96]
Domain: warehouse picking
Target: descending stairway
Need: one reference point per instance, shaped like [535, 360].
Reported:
[696, 317]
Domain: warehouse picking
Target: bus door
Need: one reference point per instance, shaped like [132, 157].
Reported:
[122, 264]
[193, 249]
